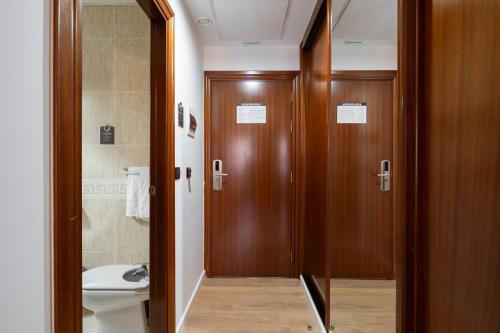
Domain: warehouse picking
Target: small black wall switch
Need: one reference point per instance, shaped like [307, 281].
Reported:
[177, 173]
[188, 176]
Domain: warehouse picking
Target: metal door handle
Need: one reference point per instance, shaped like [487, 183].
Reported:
[222, 174]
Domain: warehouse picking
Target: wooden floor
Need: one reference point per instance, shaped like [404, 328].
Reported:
[363, 306]
[250, 305]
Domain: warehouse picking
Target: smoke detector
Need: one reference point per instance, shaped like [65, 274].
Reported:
[204, 21]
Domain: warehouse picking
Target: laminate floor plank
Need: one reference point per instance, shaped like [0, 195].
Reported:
[363, 306]
[250, 305]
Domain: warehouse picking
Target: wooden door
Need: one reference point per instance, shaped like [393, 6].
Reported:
[458, 191]
[250, 217]
[362, 231]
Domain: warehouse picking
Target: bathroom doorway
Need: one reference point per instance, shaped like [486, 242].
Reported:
[113, 129]
[115, 162]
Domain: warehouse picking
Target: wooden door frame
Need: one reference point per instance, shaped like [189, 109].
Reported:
[211, 76]
[407, 280]
[383, 75]
[66, 157]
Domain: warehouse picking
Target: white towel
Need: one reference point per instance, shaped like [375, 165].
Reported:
[138, 193]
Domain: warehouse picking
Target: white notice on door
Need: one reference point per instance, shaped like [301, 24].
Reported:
[251, 113]
[351, 113]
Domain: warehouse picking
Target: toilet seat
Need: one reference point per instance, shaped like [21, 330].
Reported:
[105, 289]
[110, 278]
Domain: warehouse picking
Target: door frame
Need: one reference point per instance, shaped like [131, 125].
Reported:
[66, 173]
[211, 76]
[383, 75]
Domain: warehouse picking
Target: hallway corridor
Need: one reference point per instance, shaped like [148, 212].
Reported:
[250, 305]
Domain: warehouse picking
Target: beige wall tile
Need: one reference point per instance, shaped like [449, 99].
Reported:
[132, 238]
[127, 156]
[131, 64]
[98, 161]
[98, 21]
[97, 110]
[91, 259]
[116, 58]
[132, 117]
[131, 22]
[97, 64]
[98, 225]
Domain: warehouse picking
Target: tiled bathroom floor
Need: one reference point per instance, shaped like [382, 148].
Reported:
[88, 322]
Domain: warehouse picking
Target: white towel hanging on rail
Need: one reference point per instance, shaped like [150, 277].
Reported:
[138, 193]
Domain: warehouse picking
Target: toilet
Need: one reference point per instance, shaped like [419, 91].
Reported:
[117, 295]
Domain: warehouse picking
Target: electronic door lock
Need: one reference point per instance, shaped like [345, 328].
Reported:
[385, 175]
[217, 175]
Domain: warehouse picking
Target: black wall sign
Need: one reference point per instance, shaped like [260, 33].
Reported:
[107, 135]
[180, 115]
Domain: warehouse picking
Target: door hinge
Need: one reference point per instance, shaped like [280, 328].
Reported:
[291, 127]
[291, 176]
[291, 256]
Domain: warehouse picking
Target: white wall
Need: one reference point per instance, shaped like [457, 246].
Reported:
[257, 57]
[188, 152]
[364, 57]
[24, 169]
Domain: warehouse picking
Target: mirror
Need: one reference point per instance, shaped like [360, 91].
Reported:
[363, 95]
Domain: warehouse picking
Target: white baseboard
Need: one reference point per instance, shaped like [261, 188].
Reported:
[188, 306]
[311, 303]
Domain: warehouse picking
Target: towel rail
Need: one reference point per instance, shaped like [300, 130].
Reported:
[130, 173]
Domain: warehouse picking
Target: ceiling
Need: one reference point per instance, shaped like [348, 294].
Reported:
[281, 22]
[372, 21]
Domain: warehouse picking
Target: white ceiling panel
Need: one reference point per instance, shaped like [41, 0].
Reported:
[367, 20]
[109, 2]
[250, 19]
[270, 22]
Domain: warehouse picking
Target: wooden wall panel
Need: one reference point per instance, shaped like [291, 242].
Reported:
[458, 167]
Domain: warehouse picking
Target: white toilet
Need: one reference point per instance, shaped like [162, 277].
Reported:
[117, 294]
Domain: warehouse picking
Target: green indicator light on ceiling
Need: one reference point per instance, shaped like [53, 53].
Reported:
[251, 42]
[354, 42]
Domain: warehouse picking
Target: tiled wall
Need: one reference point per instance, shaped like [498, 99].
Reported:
[116, 49]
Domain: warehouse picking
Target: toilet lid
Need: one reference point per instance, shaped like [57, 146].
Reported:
[111, 278]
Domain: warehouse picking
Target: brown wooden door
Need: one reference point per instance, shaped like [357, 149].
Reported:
[458, 192]
[362, 232]
[250, 233]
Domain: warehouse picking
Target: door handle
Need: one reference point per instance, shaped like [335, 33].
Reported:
[217, 175]
[385, 175]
